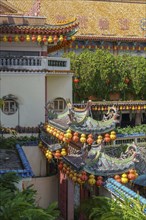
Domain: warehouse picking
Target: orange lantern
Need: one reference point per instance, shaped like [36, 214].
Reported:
[33, 38]
[76, 80]
[90, 140]
[44, 39]
[55, 39]
[107, 138]
[57, 154]
[75, 138]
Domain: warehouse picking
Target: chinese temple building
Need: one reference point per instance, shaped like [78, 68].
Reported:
[118, 26]
[29, 77]
[87, 165]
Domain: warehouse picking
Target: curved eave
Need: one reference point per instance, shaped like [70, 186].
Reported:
[111, 38]
[42, 29]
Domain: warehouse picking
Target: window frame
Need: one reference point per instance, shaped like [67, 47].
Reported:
[12, 107]
[59, 101]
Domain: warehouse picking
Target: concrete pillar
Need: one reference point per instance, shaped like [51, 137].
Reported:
[138, 118]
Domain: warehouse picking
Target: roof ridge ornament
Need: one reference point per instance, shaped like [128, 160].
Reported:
[35, 9]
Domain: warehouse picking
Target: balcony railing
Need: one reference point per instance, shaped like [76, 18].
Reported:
[35, 63]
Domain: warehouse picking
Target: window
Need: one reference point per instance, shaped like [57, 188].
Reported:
[59, 104]
[9, 107]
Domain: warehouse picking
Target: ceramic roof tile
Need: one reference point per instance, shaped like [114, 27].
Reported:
[97, 18]
[122, 191]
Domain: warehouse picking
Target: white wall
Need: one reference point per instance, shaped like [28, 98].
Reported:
[30, 90]
[36, 160]
[59, 86]
[22, 46]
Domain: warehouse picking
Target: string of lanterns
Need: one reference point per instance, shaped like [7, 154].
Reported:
[69, 136]
[83, 177]
[36, 38]
[120, 107]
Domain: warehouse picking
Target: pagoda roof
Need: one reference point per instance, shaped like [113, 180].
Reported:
[35, 25]
[115, 20]
[105, 161]
[80, 120]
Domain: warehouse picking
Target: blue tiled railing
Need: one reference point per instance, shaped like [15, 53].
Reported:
[122, 191]
[26, 171]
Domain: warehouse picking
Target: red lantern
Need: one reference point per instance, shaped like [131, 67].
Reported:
[57, 154]
[90, 140]
[126, 80]
[60, 166]
[99, 182]
[55, 39]
[33, 38]
[22, 38]
[84, 176]
[107, 138]
[10, 39]
[76, 80]
[44, 39]
[75, 138]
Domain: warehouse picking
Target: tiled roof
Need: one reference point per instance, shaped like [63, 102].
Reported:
[105, 161]
[141, 180]
[81, 122]
[119, 190]
[97, 18]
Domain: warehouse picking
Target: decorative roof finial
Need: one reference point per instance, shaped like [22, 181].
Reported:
[35, 9]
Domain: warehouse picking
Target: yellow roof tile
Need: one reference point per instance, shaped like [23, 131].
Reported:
[97, 18]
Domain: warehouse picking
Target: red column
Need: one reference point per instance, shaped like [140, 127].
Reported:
[70, 200]
[63, 195]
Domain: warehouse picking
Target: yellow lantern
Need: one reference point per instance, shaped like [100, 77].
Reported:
[73, 38]
[39, 38]
[5, 39]
[113, 135]
[63, 152]
[83, 138]
[124, 175]
[16, 38]
[91, 180]
[61, 38]
[124, 180]
[50, 39]
[27, 38]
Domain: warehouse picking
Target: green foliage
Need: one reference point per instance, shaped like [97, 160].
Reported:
[10, 142]
[132, 130]
[17, 205]
[104, 208]
[101, 72]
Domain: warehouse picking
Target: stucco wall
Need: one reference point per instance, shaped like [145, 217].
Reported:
[30, 91]
[59, 86]
[36, 160]
[47, 189]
